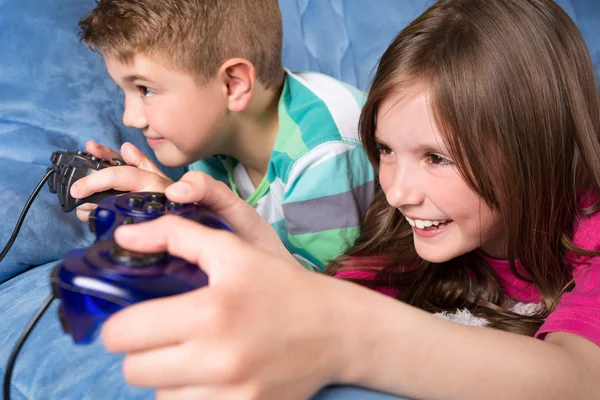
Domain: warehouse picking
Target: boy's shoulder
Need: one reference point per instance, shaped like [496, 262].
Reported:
[317, 113]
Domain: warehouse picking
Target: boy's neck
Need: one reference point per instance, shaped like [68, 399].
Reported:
[255, 133]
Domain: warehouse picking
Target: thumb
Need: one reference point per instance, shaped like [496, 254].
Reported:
[134, 156]
[213, 250]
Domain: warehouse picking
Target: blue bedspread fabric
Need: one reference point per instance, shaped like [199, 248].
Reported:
[55, 94]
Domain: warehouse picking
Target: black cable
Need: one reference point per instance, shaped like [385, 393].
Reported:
[20, 342]
[23, 213]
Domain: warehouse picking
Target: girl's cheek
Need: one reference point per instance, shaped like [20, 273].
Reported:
[386, 176]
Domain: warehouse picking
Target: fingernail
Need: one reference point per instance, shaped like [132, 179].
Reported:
[179, 188]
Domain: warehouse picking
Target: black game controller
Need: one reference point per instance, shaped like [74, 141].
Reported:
[69, 167]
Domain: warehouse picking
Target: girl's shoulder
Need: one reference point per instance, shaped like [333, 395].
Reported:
[586, 232]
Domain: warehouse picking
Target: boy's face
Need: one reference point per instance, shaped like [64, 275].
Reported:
[181, 120]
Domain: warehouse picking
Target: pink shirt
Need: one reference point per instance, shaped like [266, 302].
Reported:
[578, 311]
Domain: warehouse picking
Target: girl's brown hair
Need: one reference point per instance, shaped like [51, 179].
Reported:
[514, 94]
[190, 35]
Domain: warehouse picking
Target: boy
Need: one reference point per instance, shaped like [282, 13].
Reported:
[204, 81]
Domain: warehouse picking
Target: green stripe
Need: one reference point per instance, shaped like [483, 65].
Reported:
[324, 246]
[310, 114]
[211, 166]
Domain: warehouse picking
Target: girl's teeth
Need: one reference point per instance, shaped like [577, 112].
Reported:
[422, 224]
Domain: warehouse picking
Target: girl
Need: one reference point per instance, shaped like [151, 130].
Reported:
[483, 121]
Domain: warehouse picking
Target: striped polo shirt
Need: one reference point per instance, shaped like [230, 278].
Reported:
[319, 180]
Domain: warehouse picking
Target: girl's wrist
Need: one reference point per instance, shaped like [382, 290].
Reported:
[360, 332]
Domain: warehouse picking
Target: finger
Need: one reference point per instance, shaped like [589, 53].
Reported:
[87, 207]
[83, 216]
[151, 324]
[189, 393]
[198, 187]
[134, 156]
[101, 151]
[123, 178]
[168, 366]
[182, 238]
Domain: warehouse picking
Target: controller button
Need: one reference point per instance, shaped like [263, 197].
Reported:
[80, 153]
[136, 260]
[93, 158]
[135, 200]
[118, 161]
[157, 197]
[153, 207]
[127, 221]
[172, 206]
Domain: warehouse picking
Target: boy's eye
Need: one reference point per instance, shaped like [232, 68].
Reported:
[145, 92]
[436, 159]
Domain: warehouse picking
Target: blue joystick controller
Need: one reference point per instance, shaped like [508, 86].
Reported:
[96, 282]
[144, 206]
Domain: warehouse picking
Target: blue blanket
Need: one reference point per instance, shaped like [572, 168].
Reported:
[55, 95]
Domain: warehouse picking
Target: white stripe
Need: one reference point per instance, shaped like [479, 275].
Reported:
[339, 100]
[316, 156]
[269, 206]
[242, 180]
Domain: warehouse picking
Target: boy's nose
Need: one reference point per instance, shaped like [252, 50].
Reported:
[133, 116]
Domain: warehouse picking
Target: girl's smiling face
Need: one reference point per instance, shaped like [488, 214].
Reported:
[420, 179]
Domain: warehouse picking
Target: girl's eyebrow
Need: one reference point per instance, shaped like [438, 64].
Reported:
[419, 148]
[378, 139]
[428, 148]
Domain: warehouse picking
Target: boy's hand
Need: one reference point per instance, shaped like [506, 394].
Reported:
[140, 175]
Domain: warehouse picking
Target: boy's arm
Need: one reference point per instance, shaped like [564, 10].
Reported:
[327, 193]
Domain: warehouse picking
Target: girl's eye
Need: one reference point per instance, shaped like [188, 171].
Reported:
[383, 150]
[438, 160]
[145, 92]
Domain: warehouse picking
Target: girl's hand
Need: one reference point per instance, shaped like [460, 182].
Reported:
[263, 327]
[198, 187]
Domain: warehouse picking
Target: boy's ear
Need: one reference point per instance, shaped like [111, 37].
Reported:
[238, 76]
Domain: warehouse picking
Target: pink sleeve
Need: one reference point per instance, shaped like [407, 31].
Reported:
[578, 311]
[366, 275]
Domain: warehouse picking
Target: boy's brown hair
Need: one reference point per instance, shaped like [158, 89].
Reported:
[194, 36]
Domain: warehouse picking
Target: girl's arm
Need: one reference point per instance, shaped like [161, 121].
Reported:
[403, 350]
[265, 326]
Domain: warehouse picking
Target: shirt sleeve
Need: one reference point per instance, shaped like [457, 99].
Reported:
[327, 193]
[578, 311]
[213, 166]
